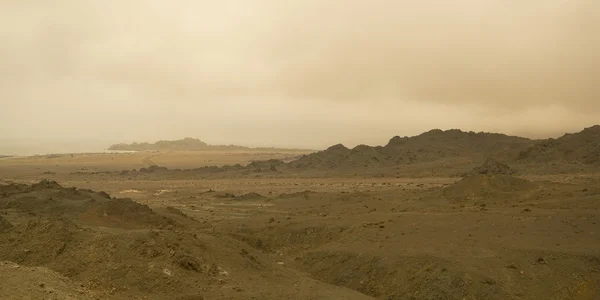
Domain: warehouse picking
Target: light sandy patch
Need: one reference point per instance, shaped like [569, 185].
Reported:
[160, 192]
[130, 191]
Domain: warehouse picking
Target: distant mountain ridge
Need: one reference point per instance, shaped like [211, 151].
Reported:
[184, 144]
[581, 147]
[435, 148]
[426, 147]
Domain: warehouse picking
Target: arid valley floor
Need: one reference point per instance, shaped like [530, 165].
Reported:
[444, 215]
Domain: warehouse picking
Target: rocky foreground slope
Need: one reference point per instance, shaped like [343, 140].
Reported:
[79, 244]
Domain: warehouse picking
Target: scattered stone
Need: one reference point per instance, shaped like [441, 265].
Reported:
[226, 195]
[541, 261]
[493, 167]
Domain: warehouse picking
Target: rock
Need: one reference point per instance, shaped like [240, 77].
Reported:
[541, 261]
[493, 167]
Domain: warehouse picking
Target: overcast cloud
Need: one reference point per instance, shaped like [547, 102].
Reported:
[296, 73]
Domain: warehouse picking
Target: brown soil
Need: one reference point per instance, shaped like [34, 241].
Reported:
[20, 282]
[4, 225]
[125, 213]
[482, 187]
[420, 218]
[251, 196]
[111, 248]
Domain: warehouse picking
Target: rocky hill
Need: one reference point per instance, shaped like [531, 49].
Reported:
[493, 167]
[582, 147]
[437, 150]
[489, 181]
[23, 282]
[68, 243]
[183, 144]
[427, 147]
[186, 144]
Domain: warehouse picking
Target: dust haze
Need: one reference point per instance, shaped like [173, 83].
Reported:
[296, 73]
[262, 201]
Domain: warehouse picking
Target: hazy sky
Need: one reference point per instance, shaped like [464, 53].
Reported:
[306, 73]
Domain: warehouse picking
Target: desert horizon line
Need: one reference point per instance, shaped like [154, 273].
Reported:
[335, 143]
[106, 144]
